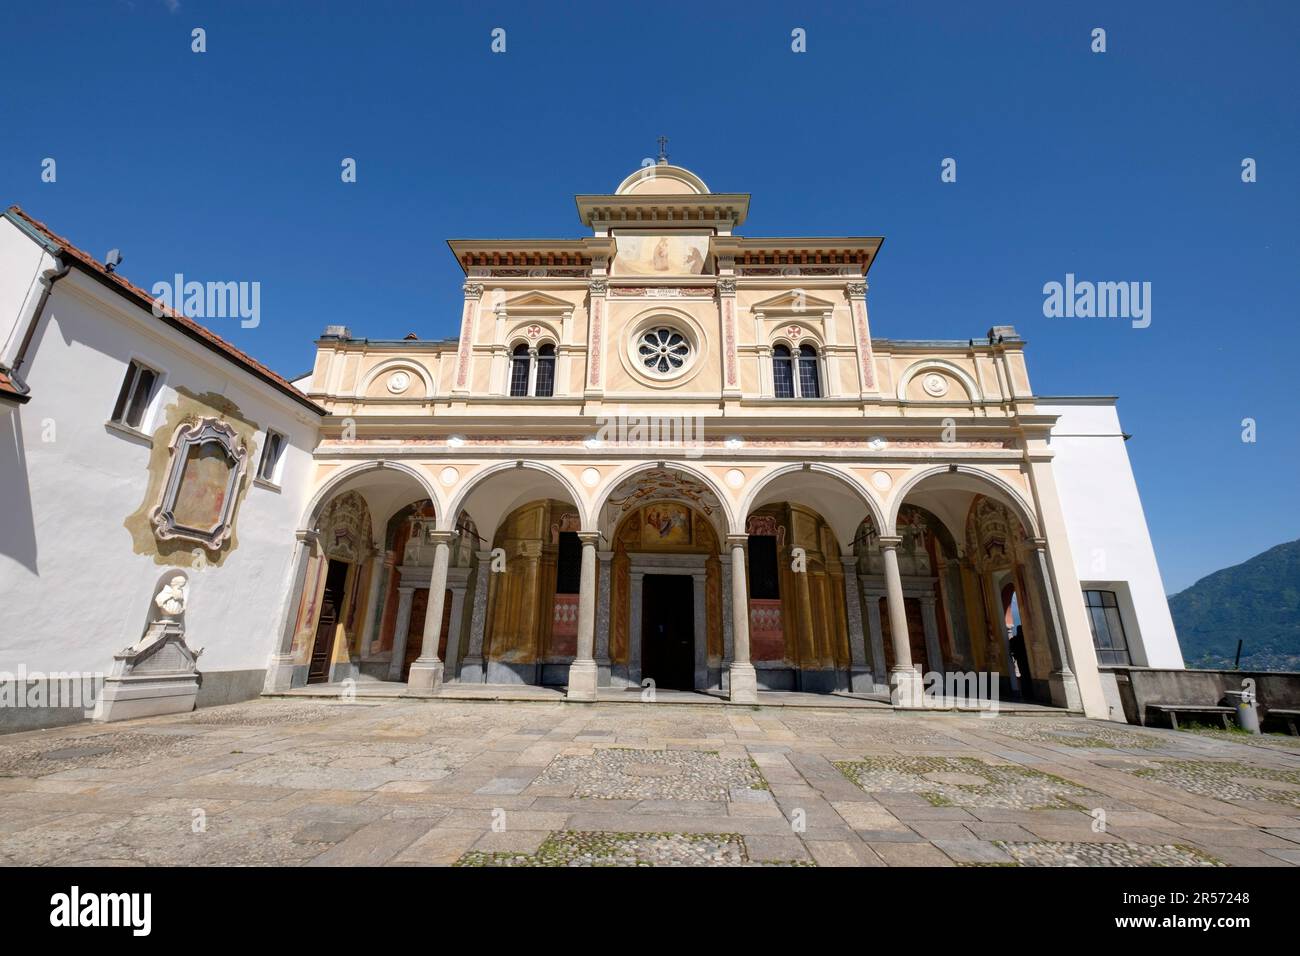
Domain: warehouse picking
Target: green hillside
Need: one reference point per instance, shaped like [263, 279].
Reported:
[1257, 601]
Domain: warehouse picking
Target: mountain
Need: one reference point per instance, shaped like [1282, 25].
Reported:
[1257, 601]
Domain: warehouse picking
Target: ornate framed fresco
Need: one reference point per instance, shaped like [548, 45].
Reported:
[665, 524]
[206, 466]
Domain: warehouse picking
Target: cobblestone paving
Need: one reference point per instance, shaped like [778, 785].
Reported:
[1227, 780]
[1280, 741]
[627, 849]
[619, 774]
[39, 757]
[541, 783]
[1077, 733]
[1105, 854]
[872, 731]
[965, 782]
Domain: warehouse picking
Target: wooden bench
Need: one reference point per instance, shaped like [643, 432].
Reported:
[1173, 710]
[1284, 714]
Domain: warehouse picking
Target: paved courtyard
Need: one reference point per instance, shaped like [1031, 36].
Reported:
[469, 783]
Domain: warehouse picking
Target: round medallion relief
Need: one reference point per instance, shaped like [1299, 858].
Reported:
[881, 481]
[399, 382]
[590, 477]
[735, 478]
[448, 476]
[935, 384]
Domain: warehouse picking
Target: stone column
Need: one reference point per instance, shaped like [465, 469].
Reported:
[457, 580]
[374, 602]
[582, 672]
[1062, 683]
[744, 680]
[933, 650]
[879, 668]
[279, 670]
[904, 679]
[701, 628]
[634, 616]
[426, 672]
[728, 639]
[603, 617]
[860, 679]
[532, 370]
[471, 670]
[401, 628]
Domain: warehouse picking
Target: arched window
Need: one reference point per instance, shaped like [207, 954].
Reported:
[809, 380]
[519, 363]
[782, 372]
[545, 371]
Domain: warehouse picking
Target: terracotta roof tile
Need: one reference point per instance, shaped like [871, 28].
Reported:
[186, 324]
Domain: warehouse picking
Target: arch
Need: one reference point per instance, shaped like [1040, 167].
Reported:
[657, 178]
[807, 336]
[480, 479]
[973, 393]
[844, 530]
[600, 496]
[548, 336]
[393, 365]
[1003, 492]
[336, 482]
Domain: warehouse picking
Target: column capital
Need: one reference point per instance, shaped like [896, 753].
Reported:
[605, 556]
[308, 536]
[484, 555]
[737, 540]
[848, 560]
[1038, 544]
[890, 542]
[440, 537]
[589, 538]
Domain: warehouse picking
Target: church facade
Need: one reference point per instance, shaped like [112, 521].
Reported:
[670, 453]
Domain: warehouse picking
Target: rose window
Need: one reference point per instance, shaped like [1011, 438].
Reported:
[663, 350]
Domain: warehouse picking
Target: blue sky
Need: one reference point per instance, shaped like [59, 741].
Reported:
[1122, 166]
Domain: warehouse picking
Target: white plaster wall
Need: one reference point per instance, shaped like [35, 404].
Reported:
[1106, 525]
[21, 263]
[72, 591]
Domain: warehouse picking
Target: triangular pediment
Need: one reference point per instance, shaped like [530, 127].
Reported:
[537, 300]
[793, 301]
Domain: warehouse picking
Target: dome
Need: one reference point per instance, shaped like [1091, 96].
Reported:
[662, 179]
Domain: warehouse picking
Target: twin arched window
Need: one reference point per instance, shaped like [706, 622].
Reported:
[795, 374]
[532, 371]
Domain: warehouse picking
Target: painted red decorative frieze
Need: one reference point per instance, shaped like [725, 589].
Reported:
[597, 330]
[466, 338]
[729, 336]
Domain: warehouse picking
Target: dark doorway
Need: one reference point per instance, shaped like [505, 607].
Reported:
[668, 630]
[331, 605]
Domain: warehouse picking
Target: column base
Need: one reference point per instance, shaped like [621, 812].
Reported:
[862, 681]
[583, 680]
[471, 671]
[905, 687]
[279, 674]
[1065, 690]
[425, 677]
[744, 684]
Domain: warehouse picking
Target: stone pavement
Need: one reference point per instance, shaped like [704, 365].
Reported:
[476, 783]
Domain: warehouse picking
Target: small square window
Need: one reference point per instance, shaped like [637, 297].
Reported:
[272, 452]
[133, 399]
